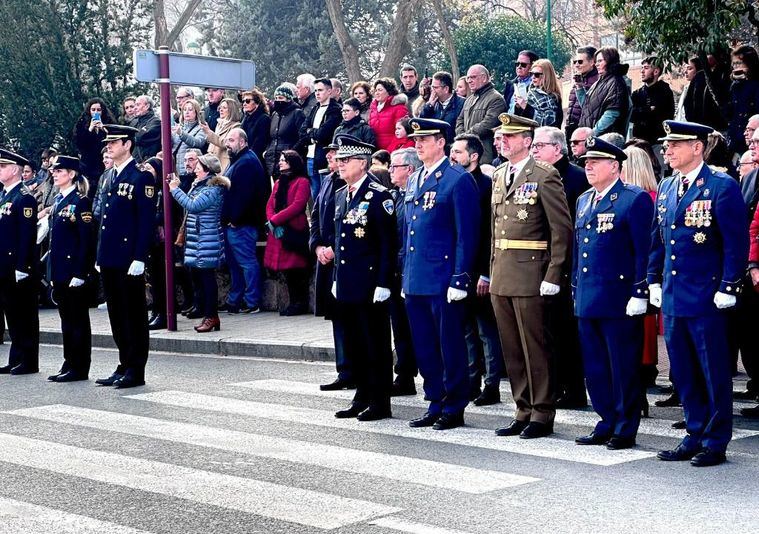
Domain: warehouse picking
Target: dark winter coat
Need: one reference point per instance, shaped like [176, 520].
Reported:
[257, 126]
[610, 92]
[358, 128]
[284, 133]
[744, 102]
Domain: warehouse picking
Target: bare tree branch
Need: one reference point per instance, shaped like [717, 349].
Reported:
[184, 18]
[448, 38]
[398, 42]
[348, 47]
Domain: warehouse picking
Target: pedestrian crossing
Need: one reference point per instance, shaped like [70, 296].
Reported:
[323, 504]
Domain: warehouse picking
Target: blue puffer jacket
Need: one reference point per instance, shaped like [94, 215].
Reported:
[204, 242]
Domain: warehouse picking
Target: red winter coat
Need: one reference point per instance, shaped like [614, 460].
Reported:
[383, 122]
[276, 257]
[398, 144]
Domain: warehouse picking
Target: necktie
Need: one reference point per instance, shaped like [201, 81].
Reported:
[422, 177]
[57, 201]
[596, 200]
[510, 177]
[349, 197]
[684, 185]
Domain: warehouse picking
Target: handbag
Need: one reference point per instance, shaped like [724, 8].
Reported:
[294, 240]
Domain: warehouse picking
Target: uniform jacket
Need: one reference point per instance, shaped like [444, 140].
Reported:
[284, 132]
[610, 92]
[320, 136]
[358, 128]
[365, 242]
[204, 240]
[383, 121]
[147, 141]
[519, 273]
[480, 116]
[650, 107]
[72, 239]
[323, 235]
[442, 229]
[611, 245]
[703, 254]
[277, 257]
[18, 231]
[127, 229]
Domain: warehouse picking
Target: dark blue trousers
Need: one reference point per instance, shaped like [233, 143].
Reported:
[437, 330]
[611, 349]
[699, 356]
[483, 344]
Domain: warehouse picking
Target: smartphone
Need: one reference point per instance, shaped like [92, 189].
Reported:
[96, 116]
[521, 90]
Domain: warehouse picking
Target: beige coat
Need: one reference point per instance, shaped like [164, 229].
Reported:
[216, 141]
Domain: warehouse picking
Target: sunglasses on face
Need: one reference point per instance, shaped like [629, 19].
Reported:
[576, 142]
[578, 61]
[247, 101]
[521, 64]
[536, 74]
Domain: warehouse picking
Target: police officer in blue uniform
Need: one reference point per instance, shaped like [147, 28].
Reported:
[698, 257]
[365, 254]
[442, 227]
[72, 254]
[18, 259]
[127, 230]
[611, 244]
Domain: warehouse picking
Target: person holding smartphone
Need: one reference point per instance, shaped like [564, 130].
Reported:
[584, 75]
[88, 138]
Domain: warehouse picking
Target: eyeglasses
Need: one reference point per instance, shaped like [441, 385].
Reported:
[541, 146]
[347, 110]
[578, 61]
[753, 142]
[575, 142]
[536, 74]
[746, 163]
[436, 86]
[521, 64]
[247, 101]
[392, 167]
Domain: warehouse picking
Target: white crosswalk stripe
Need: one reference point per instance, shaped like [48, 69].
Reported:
[411, 527]
[18, 517]
[284, 503]
[651, 426]
[559, 449]
[411, 470]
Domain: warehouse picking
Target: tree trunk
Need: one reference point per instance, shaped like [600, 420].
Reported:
[348, 47]
[397, 45]
[159, 23]
[448, 38]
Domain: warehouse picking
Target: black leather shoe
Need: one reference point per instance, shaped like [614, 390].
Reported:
[708, 458]
[403, 386]
[669, 402]
[22, 369]
[428, 419]
[375, 414]
[617, 443]
[158, 322]
[351, 412]
[126, 382]
[195, 313]
[745, 395]
[680, 425]
[514, 429]
[537, 430]
[71, 376]
[488, 397]
[53, 378]
[592, 439]
[337, 385]
[187, 309]
[5, 370]
[571, 403]
[110, 380]
[678, 454]
[448, 421]
[750, 412]
[152, 317]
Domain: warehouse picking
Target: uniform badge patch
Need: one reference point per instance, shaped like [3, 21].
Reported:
[149, 191]
[389, 206]
[359, 232]
[700, 182]
[368, 195]
[28, 212]
[87, 216]
[699, 237]
[522, 215]
[613, 197]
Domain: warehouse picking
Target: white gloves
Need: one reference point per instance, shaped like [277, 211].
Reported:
[455, 294]
[723, 300]
[137, 268]
[403, 294]
[334, 289]
[381, 294]
[654, 295]
[636, 306]
[547, 289]
[76, 282]
[20, 276]
[97, 267]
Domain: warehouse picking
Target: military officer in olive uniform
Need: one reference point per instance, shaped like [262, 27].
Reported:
[442, 218]
[72, 254]
[18, 259]
[699, 254]
[365, 254]
[127, 230]
[611, 244]
[532, 233]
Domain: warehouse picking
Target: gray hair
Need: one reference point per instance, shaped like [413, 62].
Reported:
[195, 151]
[186, 90]
[615, 139]
[307, 80]
[408, 157]
[147, 99]
[336, 84]
[555, 136]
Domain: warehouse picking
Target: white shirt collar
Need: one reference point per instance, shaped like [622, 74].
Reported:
[434, 166]
[121, 167]
[445, 104]
[358, 184]
[606, 191]
[518, 166]
[691, 176]
[10, 188]
[64, 193]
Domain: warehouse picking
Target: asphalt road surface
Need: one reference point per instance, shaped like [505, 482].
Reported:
[223, 445]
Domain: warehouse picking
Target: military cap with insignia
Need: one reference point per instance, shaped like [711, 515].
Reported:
[685, 131]
[511, 124]
[349, 146]
[8, 157]
[600, 149]
[66, 162]
[116, 132]
[424, 127]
